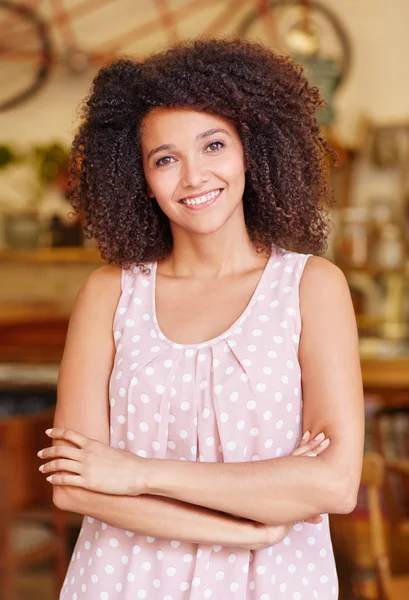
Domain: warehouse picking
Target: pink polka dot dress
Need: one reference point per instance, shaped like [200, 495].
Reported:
[234, 398]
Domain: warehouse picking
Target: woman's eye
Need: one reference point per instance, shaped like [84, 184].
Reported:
[215, 146]
[165, 160]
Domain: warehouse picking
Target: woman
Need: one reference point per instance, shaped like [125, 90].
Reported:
[180, 415]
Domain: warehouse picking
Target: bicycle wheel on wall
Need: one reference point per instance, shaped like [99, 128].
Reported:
[25, 53]
[313, 35]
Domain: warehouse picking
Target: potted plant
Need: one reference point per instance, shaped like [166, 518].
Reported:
[26, 176]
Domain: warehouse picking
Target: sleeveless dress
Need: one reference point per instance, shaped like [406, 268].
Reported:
[234, 398]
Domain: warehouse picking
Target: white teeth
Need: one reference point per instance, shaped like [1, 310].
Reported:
[201, 199]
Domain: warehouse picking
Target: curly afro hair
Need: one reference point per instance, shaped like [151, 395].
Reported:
[264, 95]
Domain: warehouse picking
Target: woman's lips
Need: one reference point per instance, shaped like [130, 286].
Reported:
[204, 204]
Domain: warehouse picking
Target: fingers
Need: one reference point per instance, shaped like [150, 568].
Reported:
[61, 464]
[66, 459]
[304, 438]
[61, 452]
[63, 479]
[67, 434]
[314, 520]
[314, 447]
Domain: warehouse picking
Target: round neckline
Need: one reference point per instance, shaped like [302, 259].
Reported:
[227, 333]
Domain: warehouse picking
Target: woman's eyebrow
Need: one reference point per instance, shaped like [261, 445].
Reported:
[212, 132]
[200, 136]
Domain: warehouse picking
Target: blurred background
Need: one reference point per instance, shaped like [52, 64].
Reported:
[356, 52]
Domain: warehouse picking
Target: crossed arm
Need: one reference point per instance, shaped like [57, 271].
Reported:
[274, 492]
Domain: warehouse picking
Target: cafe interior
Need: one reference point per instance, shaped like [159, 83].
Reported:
[356, 52]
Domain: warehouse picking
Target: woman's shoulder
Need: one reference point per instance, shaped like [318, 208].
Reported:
[109, 274]
[318, 268]
[101, 290]
[322, 282]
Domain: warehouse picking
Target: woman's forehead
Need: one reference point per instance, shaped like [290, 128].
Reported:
[163, 121]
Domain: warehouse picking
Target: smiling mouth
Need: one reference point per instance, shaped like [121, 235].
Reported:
[202, 200]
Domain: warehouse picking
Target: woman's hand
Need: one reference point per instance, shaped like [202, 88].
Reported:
[93, 465]
[270, 535]
[311, 447]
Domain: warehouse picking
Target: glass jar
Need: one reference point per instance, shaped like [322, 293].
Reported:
[352, 242]
[388, 252]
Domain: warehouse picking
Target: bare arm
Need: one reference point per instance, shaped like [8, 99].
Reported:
[169, 519]
[82, 405]
[292, 488]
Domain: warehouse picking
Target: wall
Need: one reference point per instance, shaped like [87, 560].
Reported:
[379, 82]
[378, 86]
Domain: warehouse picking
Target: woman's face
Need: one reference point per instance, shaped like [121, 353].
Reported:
[194, 167]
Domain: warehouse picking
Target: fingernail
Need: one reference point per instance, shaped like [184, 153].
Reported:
[319, 437]
[40, 453]
[324, 443]
[49, 478]
[311, 454]
[41, 468]
[48, 431]
[306, 435]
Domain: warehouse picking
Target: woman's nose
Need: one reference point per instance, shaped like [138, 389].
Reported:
[194, 173]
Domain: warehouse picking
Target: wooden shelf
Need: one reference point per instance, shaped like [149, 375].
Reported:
[52, 255]
[375, 271]
[31, 376]
[18, 313]
[380, 374]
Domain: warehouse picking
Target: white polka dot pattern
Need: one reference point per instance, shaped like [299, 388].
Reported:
[234, 398]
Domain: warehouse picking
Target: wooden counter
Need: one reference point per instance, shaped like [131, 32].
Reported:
[26, 339]
[37, 296]
[387, 377]
[52, 256]
[41, 289]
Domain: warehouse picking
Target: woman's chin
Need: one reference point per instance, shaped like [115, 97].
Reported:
[206, 227]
